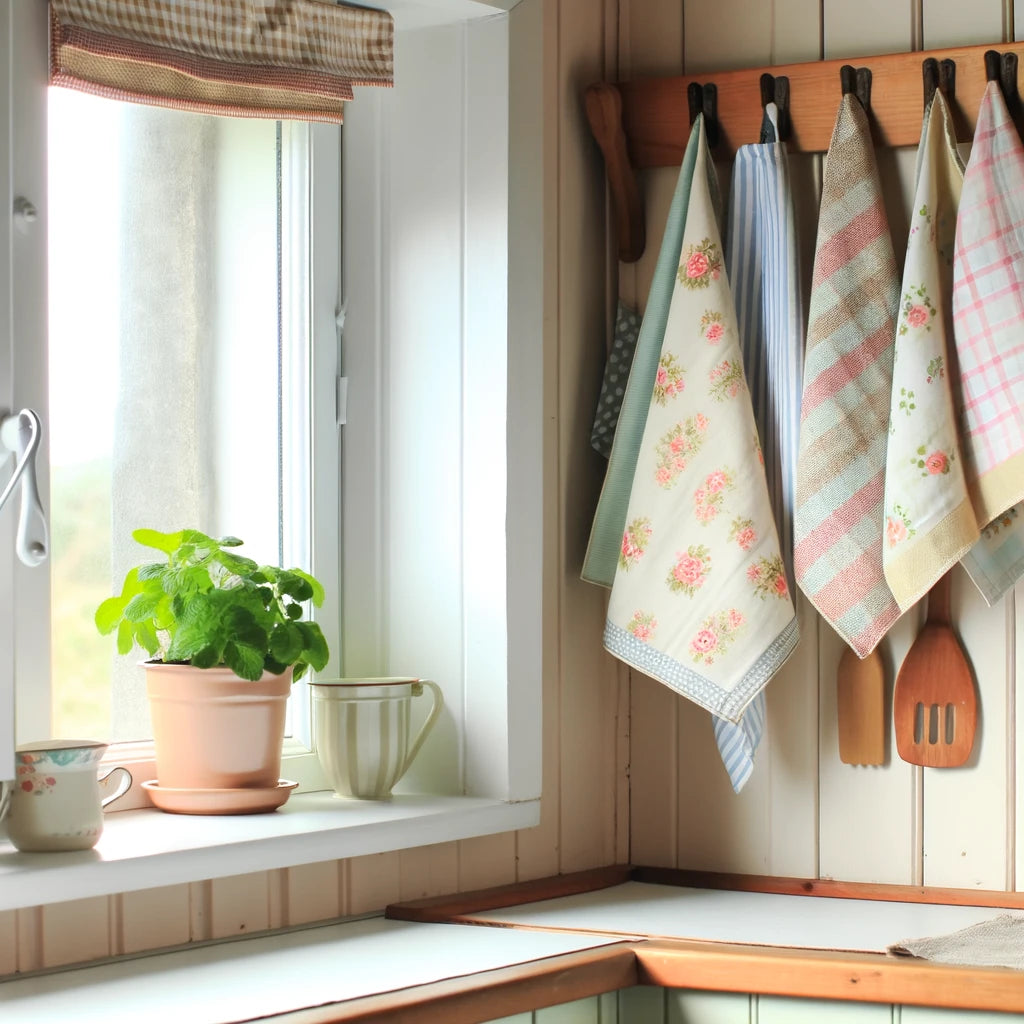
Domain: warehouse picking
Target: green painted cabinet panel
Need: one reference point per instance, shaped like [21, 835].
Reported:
[926, 1015]
[778, 1010]
[582, 1011]
[688, 1007]
[642, 1004]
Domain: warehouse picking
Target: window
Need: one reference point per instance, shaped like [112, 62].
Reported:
[179, 362]
[439, 527]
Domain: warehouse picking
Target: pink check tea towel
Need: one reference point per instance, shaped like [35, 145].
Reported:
[844, 415]
[988, 312]
[700, 599]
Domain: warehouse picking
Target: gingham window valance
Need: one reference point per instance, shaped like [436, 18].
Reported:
[249, 58]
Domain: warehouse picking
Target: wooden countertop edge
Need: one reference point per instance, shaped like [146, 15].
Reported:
[462, 906]
[827, 974]
[445, 909]
[681, 964]
[488, 995]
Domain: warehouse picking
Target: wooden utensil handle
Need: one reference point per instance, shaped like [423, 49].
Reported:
[938, 600]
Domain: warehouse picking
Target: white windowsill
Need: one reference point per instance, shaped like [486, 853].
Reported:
[148, 848]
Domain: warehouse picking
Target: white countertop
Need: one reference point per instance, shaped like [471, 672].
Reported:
[756, 918]
[257, 977]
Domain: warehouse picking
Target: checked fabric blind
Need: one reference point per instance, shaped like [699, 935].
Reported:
[246, 58]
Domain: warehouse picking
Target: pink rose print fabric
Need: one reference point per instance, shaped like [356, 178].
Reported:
[929, 520]
[699, 599]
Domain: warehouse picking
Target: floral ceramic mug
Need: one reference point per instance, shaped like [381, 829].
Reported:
[57, 797]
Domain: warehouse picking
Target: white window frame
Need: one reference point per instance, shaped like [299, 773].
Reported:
[500, 654]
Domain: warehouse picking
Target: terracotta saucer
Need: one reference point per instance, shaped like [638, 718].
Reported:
[219, 801]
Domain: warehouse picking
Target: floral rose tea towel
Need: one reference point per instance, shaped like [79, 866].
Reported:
[929, 519]
[700, 599]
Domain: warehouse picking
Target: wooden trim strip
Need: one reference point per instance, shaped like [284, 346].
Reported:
[655, 115]
[830, 888]
[646, 122]
[489, 995]
[445, 909]
[861, 977]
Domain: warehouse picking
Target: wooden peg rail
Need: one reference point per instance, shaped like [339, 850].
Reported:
[645, 122]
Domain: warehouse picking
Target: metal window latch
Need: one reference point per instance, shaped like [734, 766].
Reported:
[20, 433]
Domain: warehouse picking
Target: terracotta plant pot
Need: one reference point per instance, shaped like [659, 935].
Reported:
[215, 731]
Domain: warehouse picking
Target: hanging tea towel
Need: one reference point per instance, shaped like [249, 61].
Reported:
[838, 523]
[929, 519]
[763, 268]
[988, 312]
[616, 373]
[700, 599]
[606, 534]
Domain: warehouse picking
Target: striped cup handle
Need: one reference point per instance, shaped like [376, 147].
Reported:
[438, 705]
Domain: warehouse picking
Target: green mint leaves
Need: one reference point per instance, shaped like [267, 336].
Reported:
[208, 605]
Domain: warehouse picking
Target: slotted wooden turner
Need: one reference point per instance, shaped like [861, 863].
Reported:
[935, 708]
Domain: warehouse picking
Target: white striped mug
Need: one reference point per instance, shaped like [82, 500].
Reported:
[361, 731]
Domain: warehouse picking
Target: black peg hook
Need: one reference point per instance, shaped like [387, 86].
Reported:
[856, 81]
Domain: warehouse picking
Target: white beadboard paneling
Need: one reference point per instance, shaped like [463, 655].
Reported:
[789, 759]
[654, 773]
[589, 677]
[1015, 784]
[75, 931]
[642, 1004]
[867, 27]
[738, 34]
[153, 918]
[8, 942]
[428, 871]
[774, 1010]
[312, 892]
[708, 1007]
[772, 825]
[486, 861]
[239, 904]
[868, 829]
[373, 882]
[965, 809]
[954, 23]
[868, 817]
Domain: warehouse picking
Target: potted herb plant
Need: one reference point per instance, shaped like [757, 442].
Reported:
[226, 638]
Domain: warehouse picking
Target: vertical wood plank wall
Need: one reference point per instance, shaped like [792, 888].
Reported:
[630, 770]
[804, 812]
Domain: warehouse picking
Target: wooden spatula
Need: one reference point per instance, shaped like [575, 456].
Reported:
[860, 702]
[935, 709]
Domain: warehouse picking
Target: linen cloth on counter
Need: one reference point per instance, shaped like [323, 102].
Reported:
[607, 531]
[763, 270]
[929, 520]
[838, 523]
[988, 308]
[616, 373]
[998, 942]
[700, 600]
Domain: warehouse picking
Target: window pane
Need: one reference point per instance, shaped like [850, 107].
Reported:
[165, 365]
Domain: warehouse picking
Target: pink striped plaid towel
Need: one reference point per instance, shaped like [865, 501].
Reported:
[988, 311]
[844, 417]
